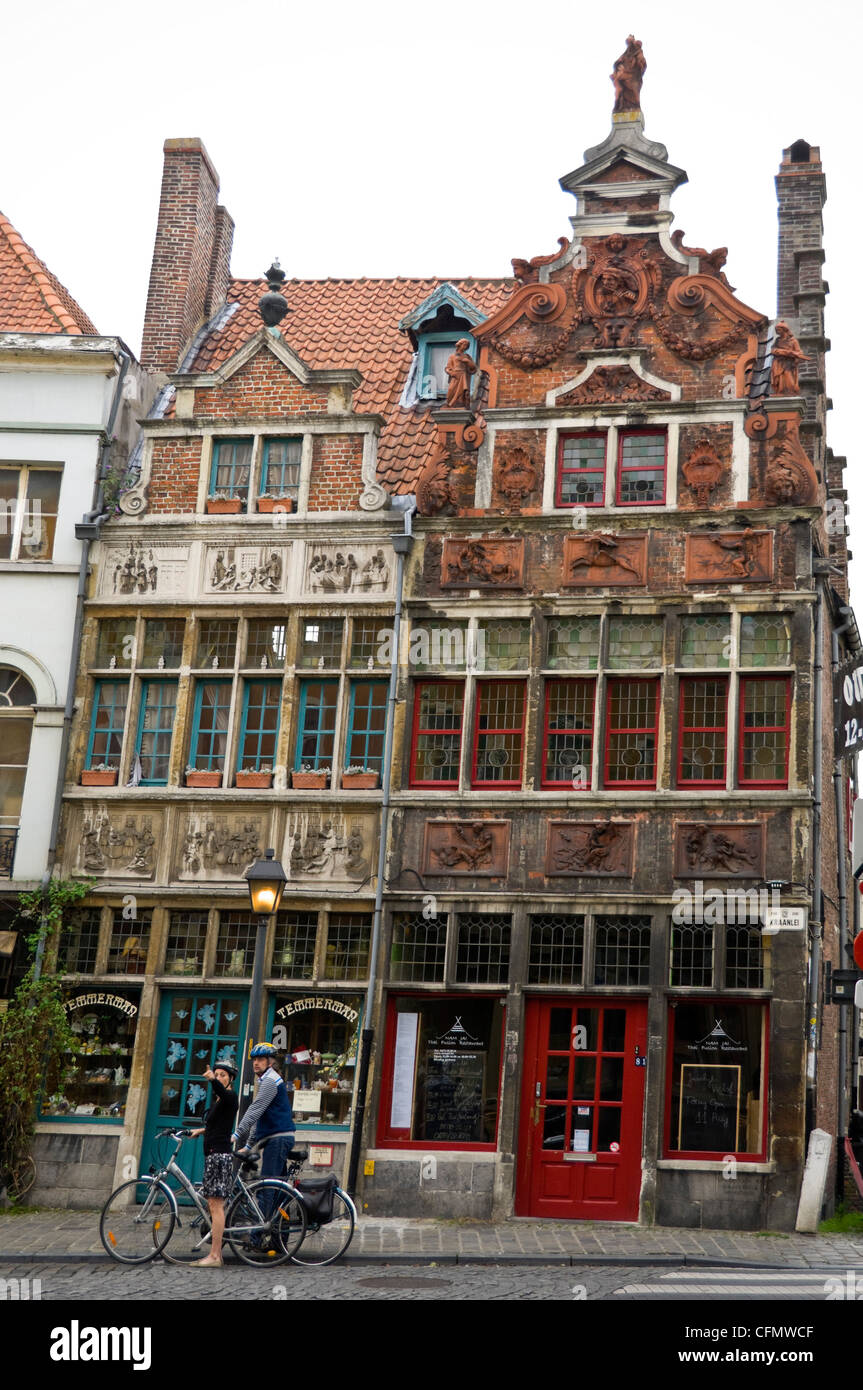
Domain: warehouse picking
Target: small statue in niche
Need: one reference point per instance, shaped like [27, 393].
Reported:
[460, 368]
[628, 75]
[786, 362]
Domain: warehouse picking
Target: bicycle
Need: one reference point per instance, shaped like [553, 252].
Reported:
[330, 1213]
[264, 1225]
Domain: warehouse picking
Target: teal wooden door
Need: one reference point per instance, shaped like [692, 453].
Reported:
[195, 1031]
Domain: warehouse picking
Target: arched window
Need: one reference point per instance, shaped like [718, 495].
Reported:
[17, 698]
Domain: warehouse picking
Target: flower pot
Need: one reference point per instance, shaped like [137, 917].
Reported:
[92, 777]
[224, 506]
[254, 779]
[203, 779]
[359, 781]
[309, 781]
[275, 504]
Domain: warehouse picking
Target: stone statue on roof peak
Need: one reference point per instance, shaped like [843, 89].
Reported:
[628, 75]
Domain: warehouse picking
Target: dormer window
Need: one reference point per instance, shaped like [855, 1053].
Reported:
[435, 350]
[434, 328]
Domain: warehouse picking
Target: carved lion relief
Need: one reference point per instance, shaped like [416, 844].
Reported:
[479, 848]
[584, 848]
[713, 849]
[789, 476]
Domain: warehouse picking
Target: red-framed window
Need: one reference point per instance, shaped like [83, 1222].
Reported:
[441, 1072]
[580, 470]
[498, 737]
[717, 1079]
[641, 464]
[765, 731]
[436, 738]
[703, 739]
[567, 744]
[631, 732]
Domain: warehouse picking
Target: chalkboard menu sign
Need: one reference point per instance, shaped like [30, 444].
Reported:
[454, 1087]
[709, 1117]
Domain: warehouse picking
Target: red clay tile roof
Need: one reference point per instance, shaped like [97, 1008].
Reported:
[354, 323]
[32, 300]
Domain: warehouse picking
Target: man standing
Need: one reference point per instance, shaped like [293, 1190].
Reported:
[269, 1113]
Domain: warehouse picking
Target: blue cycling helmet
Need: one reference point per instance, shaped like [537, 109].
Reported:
[263, 1050]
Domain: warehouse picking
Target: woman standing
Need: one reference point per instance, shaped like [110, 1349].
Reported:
[218, 1160]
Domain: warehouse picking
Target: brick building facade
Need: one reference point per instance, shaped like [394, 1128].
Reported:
[608, 479]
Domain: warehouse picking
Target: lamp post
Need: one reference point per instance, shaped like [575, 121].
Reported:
[266, 879]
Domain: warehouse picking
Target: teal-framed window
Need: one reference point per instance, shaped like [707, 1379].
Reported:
[317, 723]
[106, 727]
[280, 470]
[434, 351]
[260, 724]
[366, 723]
[210, 726]
[231, 467]
[156, 721]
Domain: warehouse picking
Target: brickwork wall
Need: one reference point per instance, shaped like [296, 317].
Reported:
[174, 475]
[263, 387]
[336, 472]
[220, 263]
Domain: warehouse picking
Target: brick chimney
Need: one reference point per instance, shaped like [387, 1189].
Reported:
[802, 191]
[191, 257]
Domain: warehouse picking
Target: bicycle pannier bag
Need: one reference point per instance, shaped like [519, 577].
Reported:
[317, 1193]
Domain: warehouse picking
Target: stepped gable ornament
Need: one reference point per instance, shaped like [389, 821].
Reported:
[703, 470]
[460, 369]
[471, 564]
[728, 557]
[789, 478]
[527, 272]
[709, 262]
[273, 306]
[593, 847]
[627, 77]
[786, 362]
[599, 559]
[691, 295]
[607, 384]
[536, 342]
[618, 287]
[718, 850]
[516, 476]
[466, 847]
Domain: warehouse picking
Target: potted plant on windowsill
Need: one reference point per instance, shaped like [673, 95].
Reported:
[202, 777]
[268, 503]
[254, 777]
[221, 504]
[100, 775]
[308, 778]
[359, 779]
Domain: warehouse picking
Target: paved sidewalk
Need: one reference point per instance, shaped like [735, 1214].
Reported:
[74, 1235]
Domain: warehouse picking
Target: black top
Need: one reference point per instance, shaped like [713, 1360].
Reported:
[219, 1120]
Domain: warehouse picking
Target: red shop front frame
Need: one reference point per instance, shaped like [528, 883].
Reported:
[700, 1104]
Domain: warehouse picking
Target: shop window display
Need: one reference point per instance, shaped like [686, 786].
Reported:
[717, 1078]
[317, 1037]
[96, 1078]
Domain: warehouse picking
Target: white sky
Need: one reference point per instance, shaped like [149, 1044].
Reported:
[379, 138]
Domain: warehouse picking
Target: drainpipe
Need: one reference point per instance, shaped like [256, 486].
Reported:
[815, 925]
[842, 1075]
[401, 546]
[87, 530]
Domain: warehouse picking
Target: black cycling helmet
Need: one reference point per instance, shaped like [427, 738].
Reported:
[229, 1067]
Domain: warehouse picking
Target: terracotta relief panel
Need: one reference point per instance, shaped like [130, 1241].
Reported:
[516, 479]
[703, 471]
[729, 557]
[477, 847]
[607, 384]
[251, 569]
[361, 570]
[714, 849]
[597, 559]
[115, 842]
[329, 847]
[144, 570]
[584, 848]
[473, 564]
[215, 846]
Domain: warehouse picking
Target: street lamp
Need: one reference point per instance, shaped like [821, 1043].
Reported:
[266, 879]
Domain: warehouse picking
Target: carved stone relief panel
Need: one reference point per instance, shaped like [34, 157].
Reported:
[144, 570]
[714, 849]
[115, 842]
[329, 847]
[607, 384]
[474, 564]
[597, 559]
[584, 848]
[363, 569]
[215, 846]
[476, 847]
[729, 557]
[252, 569]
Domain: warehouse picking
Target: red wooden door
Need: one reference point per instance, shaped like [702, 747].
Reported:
[581, 1110]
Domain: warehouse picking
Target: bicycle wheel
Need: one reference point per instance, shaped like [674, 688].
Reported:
[190, 1239]
[324, 1243]
[266, 1223]
[137, 1221]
